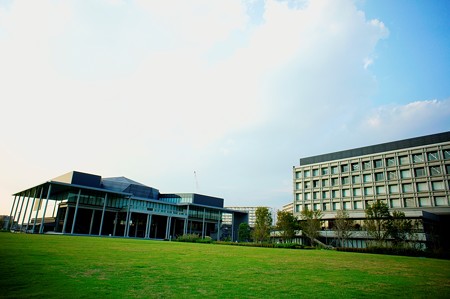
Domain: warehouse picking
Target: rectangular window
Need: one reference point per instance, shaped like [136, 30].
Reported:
[409, 202]
[367, 165]
[308, 207]
[405, 174]
[424, 202]
[440, 201]
[368, 191]
[357, 205]
[298, 196]
[435, 171]
[392, 175]
[345, 180]
[325, 194]
[325, 183]
[315, 195]
[336, 206]
[446, 154]
[390, 162]
[422, 187]
[433, 156]
[378, 163]
[307, 196]
[381, 189]
[335, 193]
[418, 158]
[367, 178]
[437, 185]
[395, 203]
[334, 170]
[316, 184]
[355, 166]
[298, 186]
[379, 176]
[307, 184]
[334, 181]
[315, 172]
[298, 174]
[326, 206]
[419, 172]
[306, 174]
[356, 179]
[316, 207]
[324, 170]
[345, 192]
[406, 188]
[356, 192]
[344, 168]
[393, 189]
[404, 160]
[447, 168]
[346, 205]
[297, 208]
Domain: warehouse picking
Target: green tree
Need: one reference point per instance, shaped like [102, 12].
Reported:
[399, 228]
[343, 226]
[377, 219]
[263, 223]
[311, 224]
[244, 232]
[286, 225]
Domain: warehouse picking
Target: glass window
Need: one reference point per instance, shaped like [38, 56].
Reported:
[440, 201]
[324, 170]
[424, 202]
[307, 184]
[298, 196]
[356, 192]
[419, 172]
[315, 195]
[336, 206]
[438, 185]
[326, 206]
[407, 188]
[409, 202]
[432, 156]
[422, 186]
[418, 158]
[367, 178]
[393, 189]
[447, 168]
[344, 168]
[435, 170]
[368, 191]
[297, 208]
[356, 179]
[381, 189]
[325, 183]
[345, 180]
[345, 192]
[298, 186]
[316, 184]
[404, 160]
[367, 165]
[392, 175]
[308, 207]
[307, 196]
[355, 166]
[334, 170]
[357, 205]
[346, 205]
[378, 163]
[335, 193]
[405, 174]
[315, 172]
[446, 154]
[306, 173]
[395, 203]
[316, 206]
[390, 162]
[379, 176]
[325, 194]
[334, 182]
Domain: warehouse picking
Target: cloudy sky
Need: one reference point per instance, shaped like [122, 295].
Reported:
[235, 91]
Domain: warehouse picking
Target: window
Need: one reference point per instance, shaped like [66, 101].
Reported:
[446, 154]
[315, 195]
[325, 183]
[316, 184]
[390, 162]
[422, 186]
[297, 208]
[424, 202]
[404, 160]
[440, 201]
[355, 166]
[298, 174]
[357, 205]
[326, 206]
[345, 180]
[298, 196]
[346, 205]
[308, 207]
[437, 185]
[315, 172]
[379, 176]
[380, 189]
[307, 196]
[334, 181]
[325, 194]
[356, 192]
[406, 188]
[409, 202]
[405, 174]
[418, 158]
[334, 170]
[324, 170]
[316, 206]
[378, 163]
[335, 193]
[307, 184]
[393, 189]
[432, 156]
[344, 168]
[435, 170]
[367, 178]
[336, 206]
[395, 203]
[447, 168]
[356, 179]
[298, 186]
[306, 174]
[345, 192]
[392, 175]
[419, 172]
[368, 191]
[367, 165]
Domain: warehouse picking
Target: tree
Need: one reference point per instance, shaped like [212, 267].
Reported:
[399, 228]
[244, 232]
[377, 218]
[286, 225]
[311, 224]
[263, 223]
[343, 227]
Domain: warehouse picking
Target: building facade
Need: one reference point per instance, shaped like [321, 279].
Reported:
[227, 219]
[410, 175]
[87, 204]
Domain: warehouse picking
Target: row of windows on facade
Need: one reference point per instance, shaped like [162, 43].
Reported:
[378, 163]
[368, 191]
[419, 172]
[393, 203]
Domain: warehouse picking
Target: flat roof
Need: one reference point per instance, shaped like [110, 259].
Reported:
[378, 148]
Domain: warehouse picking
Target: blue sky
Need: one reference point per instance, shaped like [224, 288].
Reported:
[237, 91]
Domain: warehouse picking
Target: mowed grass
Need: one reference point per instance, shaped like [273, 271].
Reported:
[50, 266]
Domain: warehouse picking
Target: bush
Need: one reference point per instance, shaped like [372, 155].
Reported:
[193, 238]
[265, 245]
[404, 251]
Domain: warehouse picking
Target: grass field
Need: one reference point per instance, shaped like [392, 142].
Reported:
[50, 266]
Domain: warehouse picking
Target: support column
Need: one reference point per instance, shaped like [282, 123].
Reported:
[146, 227]
[115, 223]
[38, 208]
[26, 209]
[136, 228]
[232, 227]
[92, 221]
[65, 219]
[218, 227]
[127, 221]
[15, 212]
[41, 230]
[58, 216]
[10, 214]
[169, 218]
[76, 212]
[203, 223]
[103, 215]
[20, 211]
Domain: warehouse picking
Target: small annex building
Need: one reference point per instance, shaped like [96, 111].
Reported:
[87, 204]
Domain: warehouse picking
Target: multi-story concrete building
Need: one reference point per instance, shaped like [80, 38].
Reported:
[226, 218]
[410, 175]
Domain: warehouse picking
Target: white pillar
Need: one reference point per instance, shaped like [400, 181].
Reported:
[92, 221]
[26, 209]
[203, 223]
[37, 208]
[10, 214]
[115, 223]
[127, 222]
[103, 215]
[41, 230]
[20, 211]
[65, 219]
[76, 212]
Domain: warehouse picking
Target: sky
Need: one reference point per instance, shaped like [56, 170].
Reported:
[215, 97]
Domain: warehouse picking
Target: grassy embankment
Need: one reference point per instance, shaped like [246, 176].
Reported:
[48, 266]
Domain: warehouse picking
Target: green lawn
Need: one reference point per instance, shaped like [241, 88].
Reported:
[49, 266]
